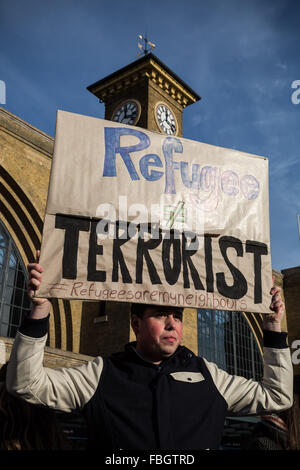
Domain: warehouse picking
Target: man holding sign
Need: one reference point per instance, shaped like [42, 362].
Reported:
[201, 236]
[156, 394]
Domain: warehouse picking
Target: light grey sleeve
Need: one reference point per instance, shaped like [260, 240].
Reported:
[248, 397]
[64, 389]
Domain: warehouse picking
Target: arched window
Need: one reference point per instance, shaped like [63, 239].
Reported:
[14, 300]
[226, 339]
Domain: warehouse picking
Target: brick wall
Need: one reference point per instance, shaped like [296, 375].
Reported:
[291, 285]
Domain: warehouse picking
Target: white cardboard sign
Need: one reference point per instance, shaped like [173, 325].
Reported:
[137, 216]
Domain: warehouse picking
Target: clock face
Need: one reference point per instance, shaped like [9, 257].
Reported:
[165, 119]
[127, 113]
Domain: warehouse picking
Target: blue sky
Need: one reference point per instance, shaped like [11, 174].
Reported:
[241, 56]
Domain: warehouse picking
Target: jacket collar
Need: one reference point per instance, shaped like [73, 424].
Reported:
[181, 356]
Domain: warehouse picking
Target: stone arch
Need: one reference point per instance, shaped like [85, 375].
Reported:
[255, 324]
[24, 225]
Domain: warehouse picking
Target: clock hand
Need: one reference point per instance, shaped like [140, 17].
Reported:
[169, 117]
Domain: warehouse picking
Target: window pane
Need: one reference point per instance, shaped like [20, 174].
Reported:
[20, 279]
[3, 238]
[14, 300]
[13, 331]
[5, 317]
[12, 260]
[4, 329]
[2, 255]
[8, 294]
[16, 316]
[18, 296]
[226, 338]
[11, 275]
[26, 301]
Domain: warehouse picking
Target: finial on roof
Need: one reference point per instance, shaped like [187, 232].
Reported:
[146, 47]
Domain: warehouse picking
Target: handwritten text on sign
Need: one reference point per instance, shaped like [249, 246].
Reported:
[161, 257]
[209, 179]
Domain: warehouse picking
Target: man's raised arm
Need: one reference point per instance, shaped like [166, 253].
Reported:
[65, 389]
[275, 391]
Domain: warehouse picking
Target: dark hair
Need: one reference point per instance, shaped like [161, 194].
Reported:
[138, 309]
[24, 426]
[292, 417]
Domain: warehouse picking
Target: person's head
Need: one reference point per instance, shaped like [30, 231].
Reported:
[24, 426]
[158, 330]
[291, 417]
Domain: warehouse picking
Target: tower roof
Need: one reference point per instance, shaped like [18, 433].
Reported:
[147, 67]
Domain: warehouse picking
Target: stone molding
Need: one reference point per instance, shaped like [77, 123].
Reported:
[25, 132]
[148, 68]
[53, 357]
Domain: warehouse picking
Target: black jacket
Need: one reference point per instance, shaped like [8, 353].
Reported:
[130, 403]
[138, 405]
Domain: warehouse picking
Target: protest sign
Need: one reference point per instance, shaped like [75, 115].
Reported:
[137, 216]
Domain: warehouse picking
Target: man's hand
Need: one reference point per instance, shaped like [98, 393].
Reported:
[41, 307]
[273, 321]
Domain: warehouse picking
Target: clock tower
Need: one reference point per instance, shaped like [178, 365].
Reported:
[145, 93]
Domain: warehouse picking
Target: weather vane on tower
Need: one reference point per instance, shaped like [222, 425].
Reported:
[147, 47]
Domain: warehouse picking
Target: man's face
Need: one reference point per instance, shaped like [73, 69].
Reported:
[158, 332]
